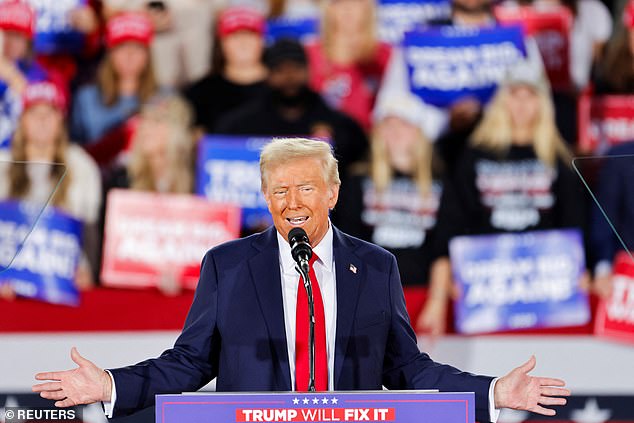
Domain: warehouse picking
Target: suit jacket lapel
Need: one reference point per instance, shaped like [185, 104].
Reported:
[350, 274]
[265, 274]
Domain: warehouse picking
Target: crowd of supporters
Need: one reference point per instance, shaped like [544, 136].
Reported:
[127, 109]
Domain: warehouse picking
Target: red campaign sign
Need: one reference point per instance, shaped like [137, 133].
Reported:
[550, 28]
[615, 317]
[605, 121]
[150, 237]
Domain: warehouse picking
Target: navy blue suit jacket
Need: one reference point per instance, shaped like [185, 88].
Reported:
[235, 330]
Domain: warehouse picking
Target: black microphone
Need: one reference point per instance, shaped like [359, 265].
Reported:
[302, 252]
[300, 246]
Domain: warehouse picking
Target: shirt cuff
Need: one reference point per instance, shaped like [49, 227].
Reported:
[108, 407]
[494, 413]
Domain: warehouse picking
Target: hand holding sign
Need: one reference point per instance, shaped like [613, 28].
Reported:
[519, 391]
[602, 285]
[11, 76]
[83, 385]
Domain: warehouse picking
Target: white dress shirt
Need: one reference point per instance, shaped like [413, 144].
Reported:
[325, 272]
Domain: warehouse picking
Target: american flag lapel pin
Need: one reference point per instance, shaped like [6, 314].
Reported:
[353, 268]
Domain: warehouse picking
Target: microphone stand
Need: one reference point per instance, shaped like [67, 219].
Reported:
[303, 269]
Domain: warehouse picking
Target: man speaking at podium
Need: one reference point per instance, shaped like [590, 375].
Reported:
[248, 324]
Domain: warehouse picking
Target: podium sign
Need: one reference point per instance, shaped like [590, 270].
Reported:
[378, 406]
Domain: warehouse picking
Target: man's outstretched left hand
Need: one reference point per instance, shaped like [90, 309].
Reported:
[519, 391]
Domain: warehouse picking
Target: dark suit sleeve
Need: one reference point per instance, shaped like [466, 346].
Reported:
[405, 367]
[189, 365]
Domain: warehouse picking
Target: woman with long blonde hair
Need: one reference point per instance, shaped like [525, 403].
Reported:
[42, 161]
[522, 114]
[125, 80]
[515, 176]
[348, 62]
[161, 158]
[393, 202]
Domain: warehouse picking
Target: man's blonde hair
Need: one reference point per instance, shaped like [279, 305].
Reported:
[284, 150]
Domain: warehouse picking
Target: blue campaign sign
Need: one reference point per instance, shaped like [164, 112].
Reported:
[11, 101]
[228, 171]
[396, 17]
[302, 29]
[449, 63]
[10, 110]
[40, 264]
[521, 280]
[54, 33]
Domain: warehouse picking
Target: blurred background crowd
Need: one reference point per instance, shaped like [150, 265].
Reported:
[127, 106]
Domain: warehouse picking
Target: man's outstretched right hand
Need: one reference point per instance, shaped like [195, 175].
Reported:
[84, 385]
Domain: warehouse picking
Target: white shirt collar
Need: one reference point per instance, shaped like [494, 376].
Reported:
[323, 251]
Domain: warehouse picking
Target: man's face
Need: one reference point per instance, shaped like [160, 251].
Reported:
[298, 196]
[288, 78]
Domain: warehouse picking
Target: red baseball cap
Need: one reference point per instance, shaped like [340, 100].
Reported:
[238, 18]
[129, 27]
[44, 92]
[17, 16]
[628, 15]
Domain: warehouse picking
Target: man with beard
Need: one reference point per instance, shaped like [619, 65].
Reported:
[290, 108]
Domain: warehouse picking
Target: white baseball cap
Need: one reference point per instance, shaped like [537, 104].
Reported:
[403, 105]
[526, 72]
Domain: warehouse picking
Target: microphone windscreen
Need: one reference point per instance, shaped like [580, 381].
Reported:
[297, 234]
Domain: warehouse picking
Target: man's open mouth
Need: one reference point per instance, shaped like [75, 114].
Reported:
[297, 220]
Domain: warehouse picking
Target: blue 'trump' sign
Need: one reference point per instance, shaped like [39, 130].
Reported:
[46, 260]
[228, 171]
[520, 280]
[449, 63]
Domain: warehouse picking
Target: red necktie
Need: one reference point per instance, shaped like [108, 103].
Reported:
[301, 336]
